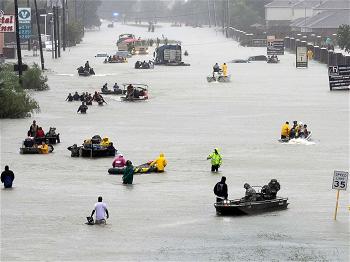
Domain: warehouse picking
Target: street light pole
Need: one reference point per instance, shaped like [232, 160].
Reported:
[39, 34]
[44, 15]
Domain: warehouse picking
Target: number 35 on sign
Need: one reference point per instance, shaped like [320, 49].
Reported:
[340, 180]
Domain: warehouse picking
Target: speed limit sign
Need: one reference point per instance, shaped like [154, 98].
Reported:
[340, 180]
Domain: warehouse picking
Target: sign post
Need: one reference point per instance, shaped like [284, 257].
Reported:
[274, 46]
[340, 182]
[339, 77]
[24, 20]
[301, 57]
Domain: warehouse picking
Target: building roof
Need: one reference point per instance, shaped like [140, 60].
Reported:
[282, 3]
[329, 19]
[333, 4]
[307, 4]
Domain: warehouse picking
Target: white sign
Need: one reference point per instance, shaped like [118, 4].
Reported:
[7, 24]
[24, 15]
[340, 180]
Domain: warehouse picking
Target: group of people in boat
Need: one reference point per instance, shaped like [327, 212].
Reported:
[36, 137]
[272, 59]
[105, 89]
[220, 70]
[268, 192]
[115, 59]
[132, 92]
[96, 143]
[298, 130]
[144, 64]
[120, 162]
[86, 69]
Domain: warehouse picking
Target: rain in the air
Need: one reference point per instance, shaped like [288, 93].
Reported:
[174, 130]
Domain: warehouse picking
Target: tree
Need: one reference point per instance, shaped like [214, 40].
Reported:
[343, 37]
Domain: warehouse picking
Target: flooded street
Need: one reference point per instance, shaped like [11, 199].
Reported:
[171, 216]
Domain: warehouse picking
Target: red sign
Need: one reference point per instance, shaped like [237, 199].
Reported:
[7, 24]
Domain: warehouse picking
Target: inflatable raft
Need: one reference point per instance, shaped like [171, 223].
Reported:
[138, 170]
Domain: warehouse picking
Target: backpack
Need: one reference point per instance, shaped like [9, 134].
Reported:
[218, 189]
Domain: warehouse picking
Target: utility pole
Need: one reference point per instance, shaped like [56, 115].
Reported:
[39, 34]
[214, 13]
[54, 11]
[64, 24]
[29, 47]
[58, 31]
[75, 11]
[18, 41]
[209, 13]
[228, 17]
[223, 17]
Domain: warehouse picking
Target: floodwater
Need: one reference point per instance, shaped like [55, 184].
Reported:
[171, 216]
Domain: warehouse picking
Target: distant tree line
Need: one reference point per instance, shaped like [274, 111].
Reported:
[238, 13]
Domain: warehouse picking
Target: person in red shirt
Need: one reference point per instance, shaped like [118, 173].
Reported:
[40, 133]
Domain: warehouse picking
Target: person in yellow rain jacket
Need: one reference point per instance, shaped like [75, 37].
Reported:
[105, 142]
[224, 69]
[43, 148]
[310, 54]
[285, 131]
[160, 163]
[216, 160]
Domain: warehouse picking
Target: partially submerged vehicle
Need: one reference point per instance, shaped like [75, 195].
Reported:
[135, 92]
[239, 61]
[101, 55]
[238, 207]
[258, 58]
[169, 55]
[121, 44]
[218, 77]
[140, 47]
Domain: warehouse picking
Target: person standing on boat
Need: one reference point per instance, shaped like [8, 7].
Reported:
[216, 160]
[216, 69]
[220, 190]
[100, 209]
[285, 131]
[250, 193]
[128, 174]
[33, 129]
[160, 163]
[7, 177]
[224, 69]
[87, 66]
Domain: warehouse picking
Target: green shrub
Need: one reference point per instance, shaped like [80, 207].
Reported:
[14, 101]
[34, 79]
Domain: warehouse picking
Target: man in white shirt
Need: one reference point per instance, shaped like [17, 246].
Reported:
[100, 209]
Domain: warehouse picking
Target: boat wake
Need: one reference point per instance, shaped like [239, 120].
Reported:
[300, 141]
[65, 74]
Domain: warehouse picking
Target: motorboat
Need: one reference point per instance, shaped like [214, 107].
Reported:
[239, 207]
[135, 92]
